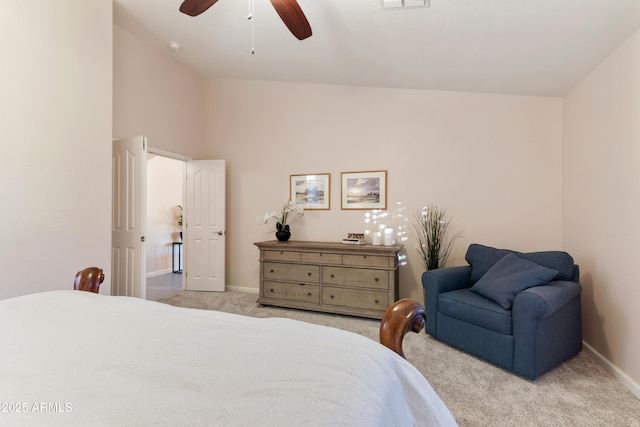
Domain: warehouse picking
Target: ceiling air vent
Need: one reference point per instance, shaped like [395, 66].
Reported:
[401, 4]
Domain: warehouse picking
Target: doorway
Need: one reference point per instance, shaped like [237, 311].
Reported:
[203, 254]
[164, 245]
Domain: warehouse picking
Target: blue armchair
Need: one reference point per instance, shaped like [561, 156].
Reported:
[519, 311]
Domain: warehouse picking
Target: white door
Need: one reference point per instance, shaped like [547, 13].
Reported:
[204, 236]
[129, 175]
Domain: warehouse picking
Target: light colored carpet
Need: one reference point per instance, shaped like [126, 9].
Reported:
[577, 393]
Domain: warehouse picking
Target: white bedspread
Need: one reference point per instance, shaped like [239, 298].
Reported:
[82, 359]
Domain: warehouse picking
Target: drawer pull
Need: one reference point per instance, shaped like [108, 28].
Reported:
[331, 297]
[332, 276]
[308, 294]
[272, 270]
[309, 274]
[271, 290]
[376, 301]
[376, 279]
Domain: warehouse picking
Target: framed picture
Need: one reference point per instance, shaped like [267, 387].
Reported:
[311, 191]
[364, 190]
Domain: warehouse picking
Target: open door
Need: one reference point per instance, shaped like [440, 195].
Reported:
[204, 236]
[129, 175]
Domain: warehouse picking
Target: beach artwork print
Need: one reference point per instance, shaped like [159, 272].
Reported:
[310, 191]
[364, 190]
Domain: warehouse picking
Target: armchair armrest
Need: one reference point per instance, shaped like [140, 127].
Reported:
[446, 279]
[547, 326]
[435, 282]
[543, 301]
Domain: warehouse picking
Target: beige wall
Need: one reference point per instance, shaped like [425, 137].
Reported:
[155, 96]
[493, 161]
[55, 116]
[601, 209]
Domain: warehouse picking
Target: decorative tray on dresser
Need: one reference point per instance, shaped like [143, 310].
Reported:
[359, 280]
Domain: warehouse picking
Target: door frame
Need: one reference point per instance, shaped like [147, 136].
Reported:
[163, 153]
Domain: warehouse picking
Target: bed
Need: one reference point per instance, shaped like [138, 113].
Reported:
[77, 358]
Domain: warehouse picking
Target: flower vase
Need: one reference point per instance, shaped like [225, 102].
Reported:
[283, 236]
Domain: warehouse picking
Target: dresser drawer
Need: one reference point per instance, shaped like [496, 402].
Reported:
[281, 256]
[358, 277]
[291, 272]
[291, 291]
[370, 300]
[369, 261]
[321, 258]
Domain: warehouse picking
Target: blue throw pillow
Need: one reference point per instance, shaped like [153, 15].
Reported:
[509, 276]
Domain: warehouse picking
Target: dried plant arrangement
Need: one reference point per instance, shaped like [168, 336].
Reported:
[430, 230]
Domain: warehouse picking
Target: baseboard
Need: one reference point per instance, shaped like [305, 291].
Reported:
[633, 386]
[157, 273]
[241, 289]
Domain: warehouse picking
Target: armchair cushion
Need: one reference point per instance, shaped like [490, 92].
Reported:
[509, 276]
[560, 261]
[476, 309]
[482, 258]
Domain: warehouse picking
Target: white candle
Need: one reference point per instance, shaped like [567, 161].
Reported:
[388, 236]
[377, 238]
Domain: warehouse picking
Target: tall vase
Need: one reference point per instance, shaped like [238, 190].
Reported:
[283, 236]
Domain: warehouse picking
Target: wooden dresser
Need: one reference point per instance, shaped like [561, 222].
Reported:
[360, 280]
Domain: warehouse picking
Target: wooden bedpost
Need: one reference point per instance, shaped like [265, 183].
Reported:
[400, 317]
[89, 279]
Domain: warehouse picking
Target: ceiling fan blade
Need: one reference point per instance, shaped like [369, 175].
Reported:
[196, 7]
[293, 17]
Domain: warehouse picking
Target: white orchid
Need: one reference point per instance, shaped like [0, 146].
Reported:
[288, 207]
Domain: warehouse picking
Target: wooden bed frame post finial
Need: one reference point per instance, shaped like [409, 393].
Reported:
[400, 317]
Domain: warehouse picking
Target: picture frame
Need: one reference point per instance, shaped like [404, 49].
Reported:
[364, 190]
[311, 191]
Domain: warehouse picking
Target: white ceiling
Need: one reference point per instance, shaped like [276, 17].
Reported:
[527, 47]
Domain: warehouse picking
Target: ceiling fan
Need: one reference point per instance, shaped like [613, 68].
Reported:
[289, 11]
